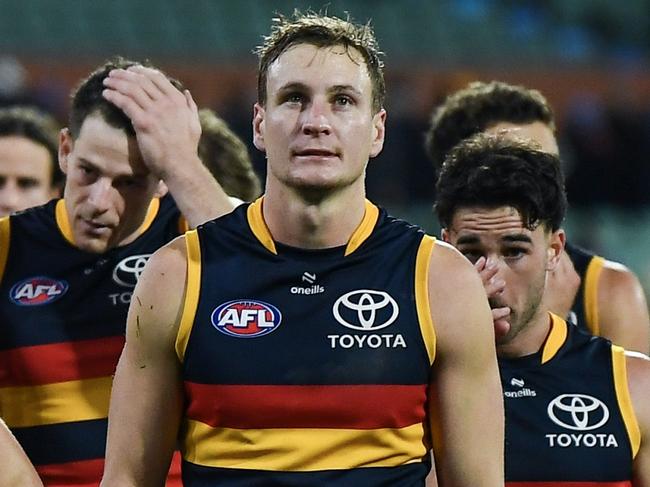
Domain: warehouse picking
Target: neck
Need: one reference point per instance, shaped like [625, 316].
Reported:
[530, 338]
[314, 223]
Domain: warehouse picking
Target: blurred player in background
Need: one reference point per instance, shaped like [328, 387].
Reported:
[68, 268]
[600, 296]
[29, 169]
[227, 158]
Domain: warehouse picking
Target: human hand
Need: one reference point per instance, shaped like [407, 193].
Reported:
[494, 287]
[165, 119]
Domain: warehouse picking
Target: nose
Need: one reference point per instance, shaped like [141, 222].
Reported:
[101, 195]
[315, 120]
[9, 198]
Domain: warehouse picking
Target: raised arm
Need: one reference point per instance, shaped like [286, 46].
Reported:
[467, 401]
[146, 401]
[622, 308]
[638, 376]
[15, 468]
[167, 128]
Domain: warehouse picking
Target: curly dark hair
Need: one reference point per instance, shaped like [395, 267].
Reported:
[87, 98]
[478, 106]
[492, 171]
[321, 30]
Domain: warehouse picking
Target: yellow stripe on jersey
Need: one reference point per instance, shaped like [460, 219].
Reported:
[258, 225]
[61, 215]
[152, 211]
[592, 276]
[318, 449]
[364, 229]
[63, 402]
[556, 337]
[624, 400]
[5, 234]
[192, 291]
[422, 264]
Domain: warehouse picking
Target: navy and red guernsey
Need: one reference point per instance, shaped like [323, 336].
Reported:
[569, 417]
[62, 324]
[584, 310]
[306, 367]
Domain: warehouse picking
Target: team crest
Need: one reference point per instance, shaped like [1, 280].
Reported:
[36, 291]
[243, 318]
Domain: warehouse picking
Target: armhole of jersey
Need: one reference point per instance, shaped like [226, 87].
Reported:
[183, 226]
[623, 397]
[422, 264]
[192, 290]
[5, 233]
[592, 276]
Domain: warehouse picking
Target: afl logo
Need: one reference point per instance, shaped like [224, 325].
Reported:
[37, 291]
[127, 272]
[365, 310]
[578, 412]
[246, 318]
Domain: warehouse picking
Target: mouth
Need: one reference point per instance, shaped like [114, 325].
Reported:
[95, 228]
[316, 153]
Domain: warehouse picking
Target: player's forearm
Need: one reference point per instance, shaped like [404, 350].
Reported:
[15, 467]
[197, 194]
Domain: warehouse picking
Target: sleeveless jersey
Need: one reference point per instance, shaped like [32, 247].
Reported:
[584, 311]
[568, 413]
[62, 321]
[306, 367]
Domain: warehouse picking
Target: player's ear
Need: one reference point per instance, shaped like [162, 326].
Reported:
[557, 239]
[66, 144]
[378, 132]
[445, 236]
[259, 117]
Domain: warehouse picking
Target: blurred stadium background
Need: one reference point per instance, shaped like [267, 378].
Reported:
[591, 58]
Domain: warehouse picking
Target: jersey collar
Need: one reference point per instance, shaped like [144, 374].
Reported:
[262, 233]
[556, 338]
[65, 228]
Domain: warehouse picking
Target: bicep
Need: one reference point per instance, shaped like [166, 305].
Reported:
[623, 310]
[467, 405]
[146, 398]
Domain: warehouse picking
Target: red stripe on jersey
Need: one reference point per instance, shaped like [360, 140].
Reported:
[84, 473]
[60, 362]
[308, 406]
[621, 483]
[174, 476]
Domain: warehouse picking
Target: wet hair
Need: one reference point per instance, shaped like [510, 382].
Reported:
[87, 98]
[321, 30]
[37, 126]
[227, 157]
[479, 106]
[491, 171]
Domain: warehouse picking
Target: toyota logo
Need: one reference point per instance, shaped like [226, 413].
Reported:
[578, 412]
[127, 272]
[365, 310]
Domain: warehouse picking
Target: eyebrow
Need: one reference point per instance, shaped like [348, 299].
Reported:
[297, 86]
[473, 239]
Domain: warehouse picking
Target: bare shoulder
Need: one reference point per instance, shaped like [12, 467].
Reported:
[638, 376]
[618, 275]
[159, 295]
[447, 259]
[622, 307]
[457, 299]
